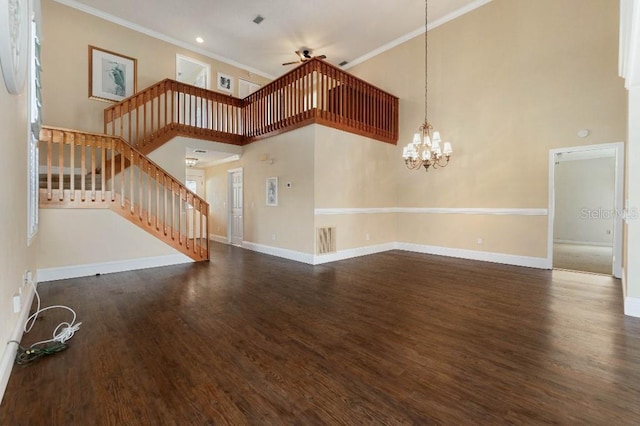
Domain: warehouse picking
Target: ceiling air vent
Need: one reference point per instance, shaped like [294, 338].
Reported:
[200, 151]
[258, 19]
[343, 63]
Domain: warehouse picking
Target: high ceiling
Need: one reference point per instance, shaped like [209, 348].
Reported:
[344, 30]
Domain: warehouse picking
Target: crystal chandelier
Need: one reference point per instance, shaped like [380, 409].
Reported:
[425, 149]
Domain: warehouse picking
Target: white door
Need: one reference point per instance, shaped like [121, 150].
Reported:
[235, 211]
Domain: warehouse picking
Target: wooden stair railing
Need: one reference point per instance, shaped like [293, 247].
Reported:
[168, 109]
[314, 92]
[79, 174]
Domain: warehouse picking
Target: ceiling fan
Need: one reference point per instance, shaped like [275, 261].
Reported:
[305, 55]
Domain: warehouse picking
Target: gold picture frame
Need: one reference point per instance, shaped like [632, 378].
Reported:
[112, 76]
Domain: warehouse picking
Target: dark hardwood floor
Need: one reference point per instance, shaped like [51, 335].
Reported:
[392, 338]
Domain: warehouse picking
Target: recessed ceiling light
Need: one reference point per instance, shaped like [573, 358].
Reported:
[199, 39]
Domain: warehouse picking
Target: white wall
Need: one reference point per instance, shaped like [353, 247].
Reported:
[584, 192]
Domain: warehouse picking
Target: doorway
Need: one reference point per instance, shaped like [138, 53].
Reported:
[193, 72]
[235, 227]
[585, 208]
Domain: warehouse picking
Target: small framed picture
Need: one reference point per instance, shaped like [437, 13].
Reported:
[225, 82]
[272, 191]
[112, 77]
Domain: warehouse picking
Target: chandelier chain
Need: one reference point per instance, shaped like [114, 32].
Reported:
[426, 149]
[426, 60]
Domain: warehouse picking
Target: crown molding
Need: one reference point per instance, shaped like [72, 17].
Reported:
[449, 17]
[151, 33]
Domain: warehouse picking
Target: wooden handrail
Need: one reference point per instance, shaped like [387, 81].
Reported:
[170, 108]
[318, 92]
[314, 92]
[113, 174]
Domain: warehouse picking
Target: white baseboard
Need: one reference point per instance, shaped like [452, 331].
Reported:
[298, 256]
[9, 354]
[507, 259]
[219, 238]
[356, 252]
[632, 306]
[583, 243]
[86, 270]
[318, 259]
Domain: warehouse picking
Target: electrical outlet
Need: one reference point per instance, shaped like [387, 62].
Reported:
[273, 237]
[17, 303]
[479, 241]
[367, 236]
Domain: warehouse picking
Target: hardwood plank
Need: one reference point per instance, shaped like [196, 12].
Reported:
[254, 339]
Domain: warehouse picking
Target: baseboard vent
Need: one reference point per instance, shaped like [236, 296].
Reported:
[326, 240]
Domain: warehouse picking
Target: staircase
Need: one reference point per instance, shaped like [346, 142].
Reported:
[86, 170]
[79, 180]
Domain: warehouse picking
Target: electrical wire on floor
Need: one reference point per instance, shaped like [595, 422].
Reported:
[61, 334]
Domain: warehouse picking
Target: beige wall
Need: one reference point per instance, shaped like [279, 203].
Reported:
[15, 255]
[352, 172]
[216, 187]
[507, 83]
[67, 33]
[70, 237]
[291, 221]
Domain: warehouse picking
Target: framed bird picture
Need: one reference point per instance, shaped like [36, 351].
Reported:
[112, 77]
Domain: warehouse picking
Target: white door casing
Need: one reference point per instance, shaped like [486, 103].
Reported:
[618, 200]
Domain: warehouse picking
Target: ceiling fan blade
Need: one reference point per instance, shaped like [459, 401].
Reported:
[321, 57]
[291, 63]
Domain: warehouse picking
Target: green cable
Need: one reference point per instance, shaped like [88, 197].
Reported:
[27, 355]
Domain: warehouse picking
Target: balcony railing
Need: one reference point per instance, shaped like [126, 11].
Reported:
[317, 92]
[314, 92]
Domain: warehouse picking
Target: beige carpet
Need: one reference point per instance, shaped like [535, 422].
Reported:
[577, 257]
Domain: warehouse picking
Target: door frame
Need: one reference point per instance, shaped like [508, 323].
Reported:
[230, 172]
[204, 65]
[618, 200]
